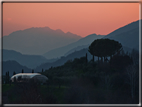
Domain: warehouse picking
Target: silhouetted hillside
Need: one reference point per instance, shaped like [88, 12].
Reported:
[76, 54]
[76, 49]
[58, 52]
[12, 66]
[63, 59]
[123, 29]
[128, 35]
[30, 61]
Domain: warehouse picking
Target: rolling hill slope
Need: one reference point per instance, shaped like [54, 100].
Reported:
[31, 61]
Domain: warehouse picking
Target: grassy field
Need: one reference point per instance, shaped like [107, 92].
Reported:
[52, 92]
[67, 95]
[55, 91]
[6, 87]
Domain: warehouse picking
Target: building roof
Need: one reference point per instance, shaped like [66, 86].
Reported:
[25, 75]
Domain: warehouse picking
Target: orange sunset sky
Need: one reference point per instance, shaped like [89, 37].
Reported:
[79, 18]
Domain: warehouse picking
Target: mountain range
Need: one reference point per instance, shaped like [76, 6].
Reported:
[76, 54]
[127, 35]
[63, 59]
[37, 41]
[58, 52]
[30, 61]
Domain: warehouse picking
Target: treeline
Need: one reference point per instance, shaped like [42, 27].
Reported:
[112, 79]
[119, 75]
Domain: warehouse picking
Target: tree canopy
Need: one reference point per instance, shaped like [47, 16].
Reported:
[104, 47]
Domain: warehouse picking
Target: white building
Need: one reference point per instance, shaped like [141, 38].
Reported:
[27, 76]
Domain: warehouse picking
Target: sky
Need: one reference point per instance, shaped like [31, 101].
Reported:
[78, 18]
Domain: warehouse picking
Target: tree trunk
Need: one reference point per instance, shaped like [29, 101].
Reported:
[10, 83]
[111, 57]
[131, 71]
[101, 59]
[93, 58]
[86, 58]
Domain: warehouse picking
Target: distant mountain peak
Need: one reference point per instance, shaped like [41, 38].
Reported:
[59, 31]
[46, 28]
[93, 35]
[68, 32]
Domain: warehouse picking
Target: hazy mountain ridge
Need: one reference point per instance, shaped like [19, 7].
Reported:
[129, 38]
[76, 54]
[36, 41]
[12, 66]
[76, 49]
[127, 35]
[30, 61]
[58, 52]
[63, 59]
[125, 28]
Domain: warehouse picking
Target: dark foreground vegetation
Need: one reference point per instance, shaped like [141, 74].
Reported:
[81, 82]
[114, 80]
